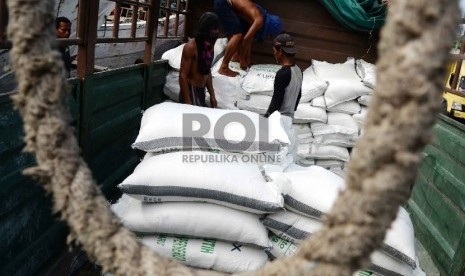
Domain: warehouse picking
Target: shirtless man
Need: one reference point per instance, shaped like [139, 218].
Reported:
[242, 21]
[196, 61]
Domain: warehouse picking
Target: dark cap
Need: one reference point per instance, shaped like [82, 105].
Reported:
[286, 42]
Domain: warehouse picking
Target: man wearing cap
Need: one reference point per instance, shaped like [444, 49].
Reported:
[196, 61]
[243, 20]
[287, 88]
[288, 80]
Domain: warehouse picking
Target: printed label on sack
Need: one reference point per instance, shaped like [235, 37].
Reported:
[179, 249]
[161, 240]
[208, 246]
[286, 247]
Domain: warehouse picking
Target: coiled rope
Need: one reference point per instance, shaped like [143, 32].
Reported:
[412, 60]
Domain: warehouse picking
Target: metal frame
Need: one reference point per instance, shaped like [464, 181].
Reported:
[87, 29]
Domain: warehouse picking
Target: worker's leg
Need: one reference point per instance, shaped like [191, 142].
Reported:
[233, 29]
[232, 48]
[246, 56]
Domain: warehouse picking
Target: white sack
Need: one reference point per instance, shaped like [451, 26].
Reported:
[171, 87]
[338, 122]
[260, 78]
[319, 102]
[312, 86]
[361, 117]
[255, 103]
[203, 177]
[367, 72]
[381, 263]
[192, 219]
[174, 56]
[399, 241]
[365, 100]
[321, 151]
[349, 107]
[162, 129]
[208, 253]
[344, 83]
[306, 113]
[312, 192]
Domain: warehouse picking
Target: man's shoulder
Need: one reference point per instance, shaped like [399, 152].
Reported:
[190, 47]
[284, 70]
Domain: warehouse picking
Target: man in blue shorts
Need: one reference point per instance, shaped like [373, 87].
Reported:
[242, 21]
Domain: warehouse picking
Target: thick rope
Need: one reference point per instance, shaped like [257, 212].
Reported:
[413, 53]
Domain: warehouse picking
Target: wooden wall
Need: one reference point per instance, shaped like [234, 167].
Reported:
[437, 204]
[106, 109]
[317, 34]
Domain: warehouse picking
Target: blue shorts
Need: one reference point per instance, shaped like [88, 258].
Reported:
[232, 24]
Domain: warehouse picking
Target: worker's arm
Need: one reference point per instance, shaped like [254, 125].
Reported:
[256, 26]
[213, 102]
[281, 81]
[298, 99]
[188, 54]
[248, 11]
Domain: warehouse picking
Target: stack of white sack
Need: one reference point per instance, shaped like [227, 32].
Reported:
[227, 89]
[199, 193]
[344, 82]
[258, 83]
[202, 235]
[367, 71]
[330, 143]
[335, 136]
[309, 194]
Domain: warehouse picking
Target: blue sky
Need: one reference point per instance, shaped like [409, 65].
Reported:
[462, 5]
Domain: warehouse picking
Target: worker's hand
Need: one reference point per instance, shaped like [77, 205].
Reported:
[213, 102]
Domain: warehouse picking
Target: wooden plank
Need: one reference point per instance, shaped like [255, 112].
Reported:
[450, 139]
[317, 34]
[129, 122]
[445, 216]
[15, 190]
[430, 238]
[156, 78]
[87, 31]
[106, 116]
[107, 92]
[114, 163]
[458, 263]
[38, 253]
[14, 160]
[445, 181]
[437, 158]
[22, 227]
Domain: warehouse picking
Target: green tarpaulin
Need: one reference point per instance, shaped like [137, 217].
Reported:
[358, 15]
